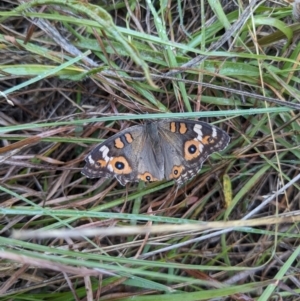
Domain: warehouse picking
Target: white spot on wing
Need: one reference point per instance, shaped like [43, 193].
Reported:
[214, 132]
[110, 168]
[104, 150]
[185, 176]
[197, 129]
[90, 159]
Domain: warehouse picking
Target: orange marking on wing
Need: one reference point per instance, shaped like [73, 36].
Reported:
[128, 138]
[188, 154]
[176, 172]
[207, 140]
[173, 127]
[120, 165]
[118, 143]
[147, 177]
[182, 128]
[101, 163]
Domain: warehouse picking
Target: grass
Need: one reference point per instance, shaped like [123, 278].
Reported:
[74, 73]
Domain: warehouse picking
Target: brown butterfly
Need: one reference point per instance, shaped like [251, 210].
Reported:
[167, 149]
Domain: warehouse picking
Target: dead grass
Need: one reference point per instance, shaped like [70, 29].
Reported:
[237, 66]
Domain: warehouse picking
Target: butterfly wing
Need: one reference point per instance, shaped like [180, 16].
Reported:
[187, 144]
[129, 156]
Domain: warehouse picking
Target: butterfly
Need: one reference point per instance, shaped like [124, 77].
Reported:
[171, 149]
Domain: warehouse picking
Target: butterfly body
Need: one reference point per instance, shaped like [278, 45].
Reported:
[166, 149]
